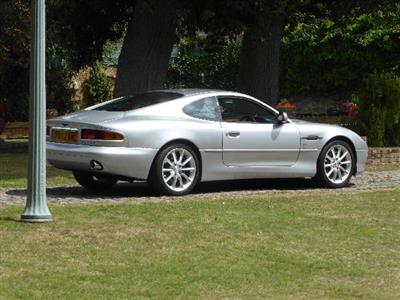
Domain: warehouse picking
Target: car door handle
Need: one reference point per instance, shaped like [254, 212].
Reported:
[234, 134]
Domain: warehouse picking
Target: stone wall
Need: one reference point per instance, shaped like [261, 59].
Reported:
[383, 155]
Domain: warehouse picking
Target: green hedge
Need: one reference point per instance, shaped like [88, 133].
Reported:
[323, 57]
[320, 56]
[379, 110]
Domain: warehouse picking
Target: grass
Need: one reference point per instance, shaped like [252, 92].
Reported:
[13, 172]
[383, 167]
[335, 246]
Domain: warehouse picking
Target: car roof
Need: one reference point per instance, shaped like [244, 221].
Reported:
[191, 91]
[188, 93]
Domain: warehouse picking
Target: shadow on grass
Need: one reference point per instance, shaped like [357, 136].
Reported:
[9, 219]
[143, 190]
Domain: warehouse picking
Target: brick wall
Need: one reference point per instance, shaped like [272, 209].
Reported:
[383, 155]
[15, 130]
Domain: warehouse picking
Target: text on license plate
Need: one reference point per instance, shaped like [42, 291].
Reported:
[64, 136]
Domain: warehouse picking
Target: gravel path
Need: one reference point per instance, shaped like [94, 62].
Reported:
[140, 192]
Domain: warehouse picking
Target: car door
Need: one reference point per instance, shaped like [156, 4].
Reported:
[253, 137]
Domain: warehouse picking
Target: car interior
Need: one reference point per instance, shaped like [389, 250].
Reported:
[241, 110]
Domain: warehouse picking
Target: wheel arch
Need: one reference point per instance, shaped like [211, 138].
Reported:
[179, 141]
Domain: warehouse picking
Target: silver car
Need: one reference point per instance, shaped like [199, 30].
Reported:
[176, 138]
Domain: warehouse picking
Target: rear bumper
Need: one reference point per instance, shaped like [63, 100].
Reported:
[130, 162]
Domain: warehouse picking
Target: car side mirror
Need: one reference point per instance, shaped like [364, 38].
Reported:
[282, 117]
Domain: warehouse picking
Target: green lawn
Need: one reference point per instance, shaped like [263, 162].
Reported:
[383, 167]
[335, 246]
[338, 246]
[13, 172]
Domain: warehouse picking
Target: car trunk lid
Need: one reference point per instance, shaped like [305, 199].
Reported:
[93, 117]
[67, 129]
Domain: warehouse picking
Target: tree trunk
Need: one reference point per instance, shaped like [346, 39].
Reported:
[145, 53]
[259, 61]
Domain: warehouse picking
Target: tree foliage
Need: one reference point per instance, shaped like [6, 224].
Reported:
[14, 57]
[79, 29]
[324, 56]
[195, 67]
[261, 23]
[328, 46]
[98, 87]
[76, 33]
[379, 112]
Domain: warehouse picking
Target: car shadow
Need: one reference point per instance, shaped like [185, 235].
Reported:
[143, 190]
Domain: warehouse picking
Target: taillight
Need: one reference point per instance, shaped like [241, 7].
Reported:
[92, 134]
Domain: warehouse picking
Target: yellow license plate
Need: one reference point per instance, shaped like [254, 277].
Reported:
[64, 136]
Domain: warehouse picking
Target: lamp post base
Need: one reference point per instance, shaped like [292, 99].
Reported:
[36, 219]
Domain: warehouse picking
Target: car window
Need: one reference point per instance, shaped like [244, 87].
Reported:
[246, 111]
[205, 109]
[139, 101]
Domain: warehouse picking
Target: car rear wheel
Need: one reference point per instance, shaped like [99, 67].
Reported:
[336, 164]
[176, 170]
[94, 181]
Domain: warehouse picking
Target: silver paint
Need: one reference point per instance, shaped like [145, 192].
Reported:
[227, 150]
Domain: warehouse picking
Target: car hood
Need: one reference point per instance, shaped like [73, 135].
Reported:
[298, 121]
[317, 128]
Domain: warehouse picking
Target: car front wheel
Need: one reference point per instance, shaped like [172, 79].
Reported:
[336, 164]
[94, 181]
[176, 170]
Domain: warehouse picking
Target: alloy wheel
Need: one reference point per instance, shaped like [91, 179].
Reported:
[179, 169]
[337, 164]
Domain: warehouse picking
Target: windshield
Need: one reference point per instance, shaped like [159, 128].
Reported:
[139, 101]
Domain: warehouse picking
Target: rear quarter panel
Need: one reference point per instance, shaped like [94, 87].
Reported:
[156, 132]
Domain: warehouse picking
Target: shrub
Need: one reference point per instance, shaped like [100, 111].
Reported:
[196, 66]
[323, 56]
[59, 93]
[98, 88]
[379, 111]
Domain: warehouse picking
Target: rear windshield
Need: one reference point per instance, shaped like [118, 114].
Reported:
[139, 101]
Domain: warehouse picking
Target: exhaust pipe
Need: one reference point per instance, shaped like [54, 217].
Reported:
[95, 165]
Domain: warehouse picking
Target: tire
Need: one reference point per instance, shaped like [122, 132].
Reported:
[94, 182]
[336, 164]
[176, 170]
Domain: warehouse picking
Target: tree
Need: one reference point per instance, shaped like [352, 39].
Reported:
[145, 54]
[324, 56]
[14, 57]
[261, 25]
[76, 33]
[151, 31]
[260, 58]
